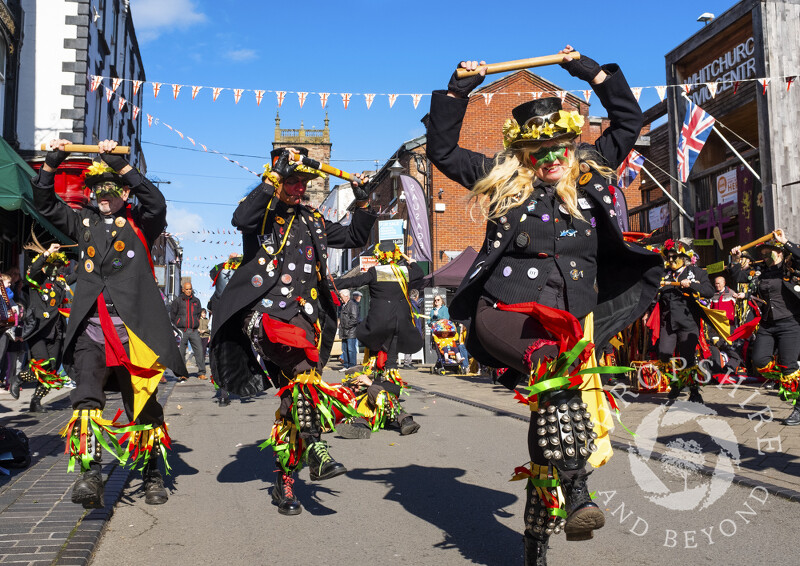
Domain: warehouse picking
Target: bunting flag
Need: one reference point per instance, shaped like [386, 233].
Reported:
[195, 90]
[487, 97]
[179, 133]
[156, 89]
[237, 94]
[662, 91]
[120, 104]
[416, 98]
[167, 125]
[763, 83]
[562, 94]
[789, 81]
[587, 94]
[149, 120]
[135, 111]
[176, 89]
[109, 94]
[96, 82]
[301, 98]
[281, 95]
[536, 95]
[369, 98]
[686, 87]
[712, 89]
[259, 97]
[735, 87]
[215, 93]
[191, 140]
[323, 98]
[136, 86]
[115, 83]
[637, 92]
[204, 147]
[346, 99]
[392, 99]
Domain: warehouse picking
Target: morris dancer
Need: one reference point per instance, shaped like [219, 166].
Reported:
[676, 323]
[553, 253]
[43, 325]
[777, 284]
[119, 335]
[279, 302]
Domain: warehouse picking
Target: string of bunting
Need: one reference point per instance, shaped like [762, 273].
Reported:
[369, 98]
[122, 102]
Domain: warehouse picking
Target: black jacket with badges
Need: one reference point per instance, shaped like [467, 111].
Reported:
[389, 308]
[45, 296]
[114, 262]
[766, 282]
[678, 306]
[259, 283]
[598, 270]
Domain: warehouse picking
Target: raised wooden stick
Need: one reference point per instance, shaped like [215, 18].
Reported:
[78, 148]
[761, 240]
[493, 68]
[325, 168]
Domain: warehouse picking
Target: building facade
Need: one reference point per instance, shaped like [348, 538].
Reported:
[318, 143]
[66, 42]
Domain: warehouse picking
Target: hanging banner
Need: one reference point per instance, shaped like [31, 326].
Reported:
[658, 216]
[727, 191]
[417, 219]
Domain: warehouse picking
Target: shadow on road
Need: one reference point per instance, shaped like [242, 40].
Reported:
[466, 514]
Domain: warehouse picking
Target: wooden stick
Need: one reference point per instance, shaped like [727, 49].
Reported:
[78, 148]
[761, 240]
[493, 68]
[325, 168]
[68, 246]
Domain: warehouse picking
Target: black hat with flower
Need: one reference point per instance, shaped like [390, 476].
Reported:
[541, 120]
[303, 171]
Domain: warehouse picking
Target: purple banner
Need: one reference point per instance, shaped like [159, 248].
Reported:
[417, 219]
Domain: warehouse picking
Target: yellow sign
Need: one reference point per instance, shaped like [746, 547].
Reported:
[715, 267]
[709, 242]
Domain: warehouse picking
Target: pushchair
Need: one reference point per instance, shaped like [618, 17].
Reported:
[444, 336]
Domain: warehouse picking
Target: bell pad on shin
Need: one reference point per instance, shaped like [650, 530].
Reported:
[564, 432]
[539, 523]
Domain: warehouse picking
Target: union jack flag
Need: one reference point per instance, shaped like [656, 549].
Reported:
[694, 133]
[630, 169]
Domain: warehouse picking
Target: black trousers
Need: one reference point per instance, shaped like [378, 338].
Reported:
[193, 337]
[783, 333]
[93, 377]
[684, 339]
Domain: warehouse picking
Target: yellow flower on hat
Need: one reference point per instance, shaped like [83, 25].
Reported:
[548, 129]
[570, 121]
[510, 132]
[98, 168]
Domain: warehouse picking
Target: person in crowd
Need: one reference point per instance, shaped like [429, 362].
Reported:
[553, 252]
[185, 314]
[220, 275]
[776, 282]
[10, 331]
[119, 334]
[416, 309]
[439, 311]
[280, 303]
[348, 322]
[44, 325]
[204, 330]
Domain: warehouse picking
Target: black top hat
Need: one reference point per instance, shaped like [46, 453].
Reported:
[541, 120]
[92, 180]
[276, 153]
[303, 171]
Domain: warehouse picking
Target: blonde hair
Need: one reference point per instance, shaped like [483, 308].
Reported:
[510, 182]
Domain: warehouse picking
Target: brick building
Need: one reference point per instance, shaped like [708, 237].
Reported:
[318, 143]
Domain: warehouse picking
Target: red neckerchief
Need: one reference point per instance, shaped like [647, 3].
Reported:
[126, 211]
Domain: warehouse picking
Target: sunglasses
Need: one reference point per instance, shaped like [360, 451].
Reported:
[549, 154]
[108, 189]
[539, 120]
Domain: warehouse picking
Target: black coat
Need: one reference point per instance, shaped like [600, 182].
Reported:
[185, 312]
[118, 265]
[44, 300]
[627, 275]
[679, 306]
[348, 320]
[790, 289]
[389, 311]
[232, 359]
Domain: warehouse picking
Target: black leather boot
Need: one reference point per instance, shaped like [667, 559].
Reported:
[355, 429]
[320, 464]
[583, 515]
[88, 490]
[794, 418]
[408, 425]
[13, 385]
[674, 392]
[283, 495]
[694, 396]
[770, 385]
[535, 550]
[153, 482]
[36, 400]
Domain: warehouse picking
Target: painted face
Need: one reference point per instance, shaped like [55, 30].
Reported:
[550, 162]
[771, 256]
[110, 197]
[293, 190]
[674, 261]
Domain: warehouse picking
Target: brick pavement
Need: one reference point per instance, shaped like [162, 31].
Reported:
[38, 523]
[769, 452]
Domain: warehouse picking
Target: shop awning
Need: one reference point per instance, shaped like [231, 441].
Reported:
[454, 271]
[15, 188]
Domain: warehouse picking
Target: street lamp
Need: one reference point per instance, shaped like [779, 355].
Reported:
[706, 17]
[395, 170]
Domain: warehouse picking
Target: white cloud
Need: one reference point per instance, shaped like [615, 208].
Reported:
[242, 54]
[180, 220]
[152, 17]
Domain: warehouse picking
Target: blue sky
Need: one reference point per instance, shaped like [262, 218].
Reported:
[360, 46]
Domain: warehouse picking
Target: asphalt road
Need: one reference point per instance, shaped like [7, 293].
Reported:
[441, 496]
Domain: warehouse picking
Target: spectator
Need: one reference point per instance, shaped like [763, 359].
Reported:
[185, 315]
[348, 321]
[416, 308]
[439, 310]
[204, 332]
[724, 299]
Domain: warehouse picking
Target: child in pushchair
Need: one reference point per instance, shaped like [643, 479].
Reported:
[444, 335]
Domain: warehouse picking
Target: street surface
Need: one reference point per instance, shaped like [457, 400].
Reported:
[441, 496]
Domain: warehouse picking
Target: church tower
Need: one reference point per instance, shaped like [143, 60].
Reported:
[318, 143]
